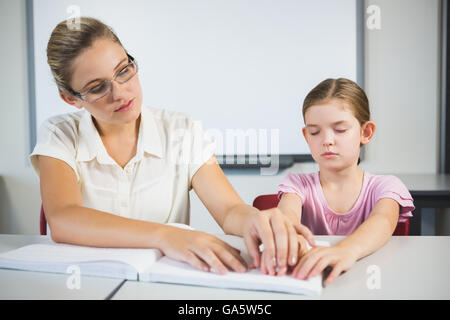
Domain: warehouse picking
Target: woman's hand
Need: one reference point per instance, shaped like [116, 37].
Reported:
[279, 236]
[317, 259]
[201, 250]
[271, 228]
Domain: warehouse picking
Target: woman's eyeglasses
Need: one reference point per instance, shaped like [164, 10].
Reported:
[103, 88]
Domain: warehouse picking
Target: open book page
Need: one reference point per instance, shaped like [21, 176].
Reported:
[104, 262]
[48, 256]
[168, 270]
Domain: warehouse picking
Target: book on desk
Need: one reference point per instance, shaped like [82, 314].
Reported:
[150, 265]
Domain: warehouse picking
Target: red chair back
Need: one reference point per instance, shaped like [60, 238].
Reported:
[269, 201]
[43, 223]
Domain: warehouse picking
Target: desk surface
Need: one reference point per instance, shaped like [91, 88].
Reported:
[425, 184]
[16, 284]
[410, 268]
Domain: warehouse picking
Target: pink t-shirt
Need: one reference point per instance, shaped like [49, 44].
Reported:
[322, 220]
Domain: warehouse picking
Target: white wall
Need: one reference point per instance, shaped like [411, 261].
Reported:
[402, 82]
[19, 187]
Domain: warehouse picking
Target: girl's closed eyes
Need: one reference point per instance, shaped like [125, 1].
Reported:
[336, 130]
[338, 127]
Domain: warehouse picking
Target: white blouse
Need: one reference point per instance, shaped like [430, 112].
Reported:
[153, 186]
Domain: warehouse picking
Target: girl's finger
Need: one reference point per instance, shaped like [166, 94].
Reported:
[320, 266]
[337, 270]
[307, 263]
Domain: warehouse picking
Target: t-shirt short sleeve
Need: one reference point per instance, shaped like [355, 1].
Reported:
[201, 148]
[56, 141]
[293, 183]
[393, 188]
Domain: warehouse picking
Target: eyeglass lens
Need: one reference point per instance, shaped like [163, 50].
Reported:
[103, 88]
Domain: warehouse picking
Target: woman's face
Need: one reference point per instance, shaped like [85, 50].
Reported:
[102, 61]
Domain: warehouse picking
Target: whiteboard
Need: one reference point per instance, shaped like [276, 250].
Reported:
[238, 66]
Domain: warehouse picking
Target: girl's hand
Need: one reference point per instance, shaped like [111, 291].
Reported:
[201, 250]
[318, 258]
[278, 235]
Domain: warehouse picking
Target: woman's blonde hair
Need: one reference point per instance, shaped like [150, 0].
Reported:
[67, 42]
[343, 89]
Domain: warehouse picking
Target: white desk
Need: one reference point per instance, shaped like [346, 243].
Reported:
[37, 285]
[410, 268]
[414, 267]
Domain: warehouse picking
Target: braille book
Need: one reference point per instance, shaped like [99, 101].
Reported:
[150, 265]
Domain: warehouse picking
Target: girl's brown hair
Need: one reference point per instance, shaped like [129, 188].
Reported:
[68, 41]
[344, 90]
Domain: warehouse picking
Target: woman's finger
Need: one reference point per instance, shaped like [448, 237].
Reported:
[231, 259]
[293, 245]
[281, 234]
[302, 246]
[266, 236]
[211, 259]
[192, 259]
[252, 244]
[304, 231]
[264, 269]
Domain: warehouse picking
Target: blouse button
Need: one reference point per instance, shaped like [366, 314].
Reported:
[124, 203]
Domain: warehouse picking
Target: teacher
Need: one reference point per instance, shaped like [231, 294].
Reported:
[116, 173]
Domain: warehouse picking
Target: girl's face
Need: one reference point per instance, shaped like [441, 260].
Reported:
[334, 135]
[102, 61]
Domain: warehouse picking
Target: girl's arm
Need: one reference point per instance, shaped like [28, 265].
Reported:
[368, 238]
[291, 205]
[72, 223]
[373, 233]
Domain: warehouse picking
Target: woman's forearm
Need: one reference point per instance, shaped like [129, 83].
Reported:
[84, 226]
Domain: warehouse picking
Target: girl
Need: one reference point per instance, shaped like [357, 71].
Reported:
[341, 199]
[115, 173]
